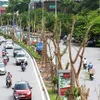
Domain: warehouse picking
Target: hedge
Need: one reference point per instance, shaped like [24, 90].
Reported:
[29, 49]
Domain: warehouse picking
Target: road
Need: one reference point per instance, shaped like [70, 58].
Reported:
[92, 55]
[29, 75]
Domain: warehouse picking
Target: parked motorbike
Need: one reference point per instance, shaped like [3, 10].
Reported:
[8, 82]
[85, 66]
[91, 77]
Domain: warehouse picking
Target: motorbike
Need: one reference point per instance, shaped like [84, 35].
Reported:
[8, 82]
[91, 74]
[16, 97]
[7, 55]
[23, 66]
[3, 53]
[85, 66]
[5, 61]
[91, 77]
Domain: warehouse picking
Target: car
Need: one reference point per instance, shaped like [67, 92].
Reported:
[9, 46]
[9, 41]
[21, 57]
[22, 91]
[91, 43]
[2, 39]
[16, 50]
[2, 68]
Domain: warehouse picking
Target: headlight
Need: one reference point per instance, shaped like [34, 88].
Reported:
[28, 93]
[16, 95]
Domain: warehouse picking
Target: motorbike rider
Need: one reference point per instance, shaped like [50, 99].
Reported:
[7, 55]
[23, 64]
[5, 49]
[90, 66]
[3, 52]
[9, 76]
[91, 70]
[64, 39]
[84, 63]
[5, 60]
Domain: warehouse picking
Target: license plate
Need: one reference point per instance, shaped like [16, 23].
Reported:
[21, 95]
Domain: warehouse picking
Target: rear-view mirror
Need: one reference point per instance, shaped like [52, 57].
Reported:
[30, 87]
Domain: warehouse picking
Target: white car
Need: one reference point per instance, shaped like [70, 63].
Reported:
[2, 68]
[9, 46]
[16, 50]
[21, 57]
[2, 39]
[9, 41]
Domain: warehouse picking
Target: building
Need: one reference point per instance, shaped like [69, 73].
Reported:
[3, 5]
[48, 4]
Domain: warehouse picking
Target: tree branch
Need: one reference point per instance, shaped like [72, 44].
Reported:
[85, 39]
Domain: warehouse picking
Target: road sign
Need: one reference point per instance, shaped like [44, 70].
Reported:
[64, 82]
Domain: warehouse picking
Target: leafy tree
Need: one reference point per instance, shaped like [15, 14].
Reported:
[89, 4]
[80, 27]
[24, 20]
[69, 6]
[18, 5]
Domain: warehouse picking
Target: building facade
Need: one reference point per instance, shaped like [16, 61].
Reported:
[3, 5]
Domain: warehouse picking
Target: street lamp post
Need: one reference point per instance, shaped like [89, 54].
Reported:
[13, 12]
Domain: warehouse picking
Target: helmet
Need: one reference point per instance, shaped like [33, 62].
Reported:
[8, 72]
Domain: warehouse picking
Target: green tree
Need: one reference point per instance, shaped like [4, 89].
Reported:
[18, 5]
[69, 6]
[89, 4]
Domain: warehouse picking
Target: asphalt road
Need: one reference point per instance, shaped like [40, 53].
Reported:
[92, 55]
[29, 75]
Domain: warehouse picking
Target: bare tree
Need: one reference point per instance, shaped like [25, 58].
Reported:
[75, 74]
